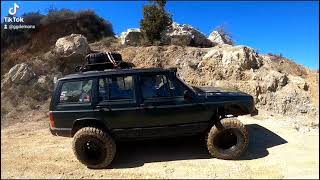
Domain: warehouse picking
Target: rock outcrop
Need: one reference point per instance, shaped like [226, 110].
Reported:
[217, 37]
[185, 35]
[275, 89]
[234, 67]
[69, 51]
[131, 37]
[239, 57]
[181, 35]
[18, 74]
[274, 80]
[72, 45]
[299, 82]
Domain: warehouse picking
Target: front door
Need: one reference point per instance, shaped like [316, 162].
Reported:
[163, 102]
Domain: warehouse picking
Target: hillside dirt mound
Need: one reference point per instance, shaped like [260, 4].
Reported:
[277, 84]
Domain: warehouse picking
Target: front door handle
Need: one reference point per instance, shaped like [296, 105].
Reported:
[202, 105]
[147, 106]
[101, 110]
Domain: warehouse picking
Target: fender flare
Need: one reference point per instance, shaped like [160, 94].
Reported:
[88, 122]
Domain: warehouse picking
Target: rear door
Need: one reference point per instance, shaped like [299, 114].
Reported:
[117, 101]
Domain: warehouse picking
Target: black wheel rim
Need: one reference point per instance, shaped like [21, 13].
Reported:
[227, 139]
[93, 151]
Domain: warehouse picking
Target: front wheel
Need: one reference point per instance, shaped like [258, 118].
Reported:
[94, 147]
[227, 139]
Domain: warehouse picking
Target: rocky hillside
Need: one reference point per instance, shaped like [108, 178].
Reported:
[277, 84]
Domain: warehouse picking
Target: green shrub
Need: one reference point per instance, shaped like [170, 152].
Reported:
[155, 20]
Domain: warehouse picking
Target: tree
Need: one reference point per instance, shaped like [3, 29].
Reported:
[160, 3]
[155, 20]
[226, 35]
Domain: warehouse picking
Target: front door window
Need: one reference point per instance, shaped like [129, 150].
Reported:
[154, 86]
[158, 86]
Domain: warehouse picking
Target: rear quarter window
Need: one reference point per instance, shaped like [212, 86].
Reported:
[75, 92]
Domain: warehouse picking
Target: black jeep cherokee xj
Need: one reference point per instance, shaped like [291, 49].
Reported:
[99, 108]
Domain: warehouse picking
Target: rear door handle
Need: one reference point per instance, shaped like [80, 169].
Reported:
[102, 109]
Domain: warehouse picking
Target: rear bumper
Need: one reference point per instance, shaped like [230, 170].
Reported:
[65, 132]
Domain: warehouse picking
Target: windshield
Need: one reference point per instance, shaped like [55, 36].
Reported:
[189, 87]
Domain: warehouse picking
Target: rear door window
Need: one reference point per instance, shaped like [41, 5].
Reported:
[76, 92]
[116, 88]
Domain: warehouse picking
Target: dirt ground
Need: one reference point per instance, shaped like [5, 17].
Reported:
[277, 149]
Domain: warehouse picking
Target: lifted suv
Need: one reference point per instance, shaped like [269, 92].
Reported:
[99, 108]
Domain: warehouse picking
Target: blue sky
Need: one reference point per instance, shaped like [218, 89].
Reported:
[290, 28]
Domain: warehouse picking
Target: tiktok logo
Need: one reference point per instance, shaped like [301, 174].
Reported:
[13, 18]
[13, 10]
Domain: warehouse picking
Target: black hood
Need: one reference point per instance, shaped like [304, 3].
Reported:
[233, 101]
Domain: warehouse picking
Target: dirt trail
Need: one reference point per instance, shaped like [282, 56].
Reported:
[276, 150]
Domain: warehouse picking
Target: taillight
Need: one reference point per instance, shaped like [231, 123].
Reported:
[51, 119]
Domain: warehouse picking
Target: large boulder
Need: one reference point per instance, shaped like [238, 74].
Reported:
[72, 45]
[69, 52]
[18, 74]
[185, 35]
[236, 57]
[131, 37]
[217, 37]
[299, 82]
[274, 80]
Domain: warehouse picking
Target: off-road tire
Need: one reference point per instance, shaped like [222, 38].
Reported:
[107, 147]
[220, 129]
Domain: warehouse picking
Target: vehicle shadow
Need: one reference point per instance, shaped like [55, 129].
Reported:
[135, 154]
[260, 139]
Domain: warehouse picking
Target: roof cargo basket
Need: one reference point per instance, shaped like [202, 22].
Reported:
[103, 60]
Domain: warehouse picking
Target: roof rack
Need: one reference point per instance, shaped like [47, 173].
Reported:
[101, 61]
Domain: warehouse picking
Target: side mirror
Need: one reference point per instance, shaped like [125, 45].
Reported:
[187, 95]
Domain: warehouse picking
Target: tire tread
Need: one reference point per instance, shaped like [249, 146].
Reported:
[227, 123]
[101, 135]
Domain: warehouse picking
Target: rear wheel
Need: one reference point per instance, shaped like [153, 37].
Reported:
[94, 147]
[227, 139]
